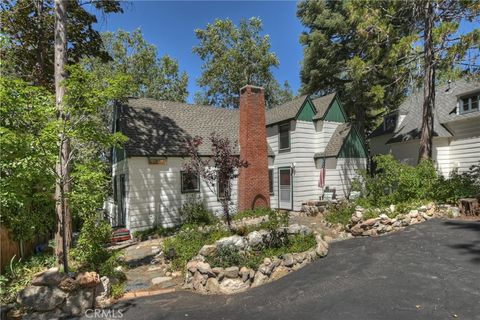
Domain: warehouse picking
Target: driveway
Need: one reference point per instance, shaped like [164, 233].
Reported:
[428, 271]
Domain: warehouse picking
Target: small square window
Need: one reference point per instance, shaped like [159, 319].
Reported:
[284, 136]
[470, 103]
[190, 182]
[270, 180]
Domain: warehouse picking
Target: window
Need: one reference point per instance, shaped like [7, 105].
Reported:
[190, 182]
[284, 136]
[390, 121]
[469, 103]
[221, 189]
[270, 180]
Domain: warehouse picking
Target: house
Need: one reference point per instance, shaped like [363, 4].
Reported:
[456, 141]
[295, 151]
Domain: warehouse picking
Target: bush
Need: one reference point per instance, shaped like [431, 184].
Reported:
[20, 273]
[194, 212]
[91, 251]
[253, 213]
[188, 241]
[158, 230]
[340, 212]
[458, 185]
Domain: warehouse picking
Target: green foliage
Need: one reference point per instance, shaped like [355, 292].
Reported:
[234, 56]
[229, 256]
[91, 251]
[252, 213]
[276, 219]
[189, 241]
[193, 211]
[20, 274]
[340, 212]
[117, 290]
[107, 267]
[134, 56]
[27, 157]
[458, 186]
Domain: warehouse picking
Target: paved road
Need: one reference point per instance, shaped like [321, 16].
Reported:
[428, 271]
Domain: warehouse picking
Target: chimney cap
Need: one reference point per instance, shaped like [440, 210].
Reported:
[256, 88]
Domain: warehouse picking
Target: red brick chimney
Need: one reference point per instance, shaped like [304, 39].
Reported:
[253, 188]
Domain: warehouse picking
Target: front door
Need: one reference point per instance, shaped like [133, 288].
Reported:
[121, 204]
[285, 188]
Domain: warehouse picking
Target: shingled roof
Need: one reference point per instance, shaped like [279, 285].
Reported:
[446, 98]
[161, 128]
[336, 142]
[321, 105]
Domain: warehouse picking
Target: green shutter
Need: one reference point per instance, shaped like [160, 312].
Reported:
[306, 112]
[353, 147]
[335, 112]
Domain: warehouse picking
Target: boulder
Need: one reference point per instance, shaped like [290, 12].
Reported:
[163, 282]
[383, 216]
[192, 266]
[102, 292]
[299, 229]
[232, 241]
[219, 272]
[230, 286]
[244, 273]
[204, 268]
[356, 217]
[288, 260]
[370, 233]
[321, 250]
[78, 302]
[255, 239]
[212, 285]
[53, 314]
[41, 298]
[422, 209]
[413, 214]
[198, 281]
[368, 223]
[259, 279]
[279, 272]
[68, 284]
[208, 250]
[51, 277]
[88, 279]
[356, 230]
[231, 272]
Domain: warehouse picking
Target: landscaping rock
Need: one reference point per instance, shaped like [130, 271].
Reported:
[88, 279]
[370, 233]
[279, 272]
[232, 241]
[230, 286]
[78, 302]
[163, 282]
[231, 272]
[383, 216]
[259, 279]
[41, 298]
[244, 273]
[368, 223]
[299, 229]
[288, 260]
[321, 250]
[219, 272]
[356, 230]
[204, 268]
[208, 250]
[212, 285]
[356, 217]
[255, 239]
[52, 277]
[413, 214]
[50, 315]
[68, 284]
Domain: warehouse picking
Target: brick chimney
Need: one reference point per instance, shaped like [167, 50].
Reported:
[253, 188]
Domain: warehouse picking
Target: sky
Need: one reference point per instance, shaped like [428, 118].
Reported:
[170, 27]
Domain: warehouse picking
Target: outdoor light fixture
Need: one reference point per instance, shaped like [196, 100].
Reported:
[157, 160]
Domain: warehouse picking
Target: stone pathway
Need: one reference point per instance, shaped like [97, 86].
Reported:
[319, 225]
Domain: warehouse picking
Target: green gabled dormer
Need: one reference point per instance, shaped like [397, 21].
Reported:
[329, 108]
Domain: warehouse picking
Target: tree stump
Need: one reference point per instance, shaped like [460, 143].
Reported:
[469, 206]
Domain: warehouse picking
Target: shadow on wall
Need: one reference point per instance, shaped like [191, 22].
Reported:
[348, 172]
[472, 248]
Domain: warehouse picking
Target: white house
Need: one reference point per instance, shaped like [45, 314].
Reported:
[306, 138]
[456, 142]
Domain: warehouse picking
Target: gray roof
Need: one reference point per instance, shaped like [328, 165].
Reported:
[290, 109]
[163, 127]
[446, 97]
[336, 142]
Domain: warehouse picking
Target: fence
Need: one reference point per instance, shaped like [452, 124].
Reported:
[10, 248]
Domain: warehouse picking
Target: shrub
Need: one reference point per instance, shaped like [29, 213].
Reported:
[340, 212]
[194, 212]
[91, 251]
[252, 213]
[117, 290]
[458, 185]
[186, 243]
[157, 230]
[20, 273]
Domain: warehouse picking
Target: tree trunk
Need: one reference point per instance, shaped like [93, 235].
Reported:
[63, 233]
[425, 151]
[40, 74]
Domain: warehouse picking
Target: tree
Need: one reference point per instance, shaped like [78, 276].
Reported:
[132, 55]
[221, 168]
[29, 25]
[233, 57]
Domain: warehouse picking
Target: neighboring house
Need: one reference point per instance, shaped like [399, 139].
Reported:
[456, 141]
[306, 138]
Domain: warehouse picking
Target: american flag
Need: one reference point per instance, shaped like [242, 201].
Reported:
[321, 181]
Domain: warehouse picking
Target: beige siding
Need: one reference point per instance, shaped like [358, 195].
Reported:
[154, 194]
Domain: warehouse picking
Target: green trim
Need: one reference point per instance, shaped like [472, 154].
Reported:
[306, 112]
[353, 146]
[335, 112]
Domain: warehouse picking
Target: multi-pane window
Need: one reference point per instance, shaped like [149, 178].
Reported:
[190, 182]
[284, 136]
[270, 180]
[221, 186]
[469, 103]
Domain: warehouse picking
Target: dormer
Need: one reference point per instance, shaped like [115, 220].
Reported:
[469, 103]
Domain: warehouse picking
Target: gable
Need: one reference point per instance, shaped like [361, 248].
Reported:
[335, 112]
[353, 146]
[306, 112]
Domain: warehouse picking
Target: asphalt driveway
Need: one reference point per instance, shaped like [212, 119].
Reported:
[428, 271]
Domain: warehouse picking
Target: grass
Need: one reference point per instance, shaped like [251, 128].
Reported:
[258, 212]
[20, 273]
[230, 257]
[340, 213]
[158, 230]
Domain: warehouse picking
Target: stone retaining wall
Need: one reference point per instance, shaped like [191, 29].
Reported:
[201, 277]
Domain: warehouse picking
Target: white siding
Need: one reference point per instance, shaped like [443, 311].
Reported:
[340, 173]
[154, 194]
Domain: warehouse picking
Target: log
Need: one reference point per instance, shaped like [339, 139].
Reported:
[469, 206]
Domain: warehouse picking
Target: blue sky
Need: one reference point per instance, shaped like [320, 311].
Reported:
[170, 26]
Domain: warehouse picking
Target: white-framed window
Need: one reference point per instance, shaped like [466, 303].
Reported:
[469, 103]
[189, 182]
[284, 136]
